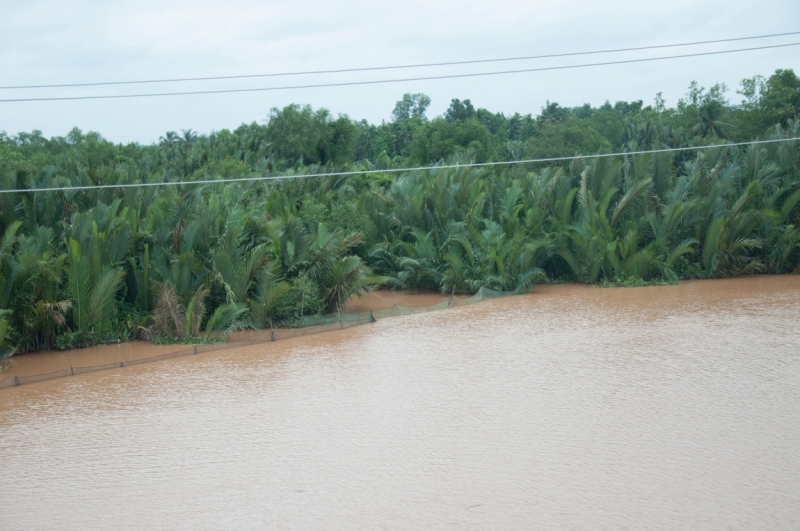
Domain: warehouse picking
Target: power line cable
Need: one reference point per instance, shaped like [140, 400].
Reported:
[396, 67]
[399, 80]
[391, 170]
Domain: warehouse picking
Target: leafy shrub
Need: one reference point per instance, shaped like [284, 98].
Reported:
[303, 299]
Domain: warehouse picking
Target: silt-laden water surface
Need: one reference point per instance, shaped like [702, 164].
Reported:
[573, 407]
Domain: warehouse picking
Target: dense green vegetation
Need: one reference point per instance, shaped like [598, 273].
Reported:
[84, 266]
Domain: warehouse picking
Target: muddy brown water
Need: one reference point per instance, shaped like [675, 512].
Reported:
[671, 407]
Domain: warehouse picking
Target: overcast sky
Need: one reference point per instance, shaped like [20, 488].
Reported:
[48, 41]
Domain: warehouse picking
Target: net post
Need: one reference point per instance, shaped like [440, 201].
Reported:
[16, 380]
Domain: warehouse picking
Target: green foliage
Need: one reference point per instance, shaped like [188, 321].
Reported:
[300, 134]
[411, 106]
[564, 139]
[635, 282]
[609, 122]
[93, 296]
[302, 298]
[202, 340]
[349, 276]
[439, 139]
[459, 111]
[768, 102]
[226, 319]
[227, 168]
[188, 263]
[349, 217]
[6, 348]
[268, 299]
[313, 213]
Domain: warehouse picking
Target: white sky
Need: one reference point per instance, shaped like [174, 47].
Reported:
[48, 41]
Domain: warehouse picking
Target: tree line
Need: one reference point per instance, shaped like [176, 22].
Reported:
[192, 262]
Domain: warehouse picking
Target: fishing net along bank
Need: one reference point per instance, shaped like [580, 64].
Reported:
[309, 324]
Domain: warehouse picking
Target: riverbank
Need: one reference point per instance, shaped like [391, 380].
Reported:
[45, 365]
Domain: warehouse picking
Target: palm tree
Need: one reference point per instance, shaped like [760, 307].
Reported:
[348, 277]
[206, 259]
[174, 320]
[188, 137]
[711, 115]
[92, 293]
[552, 113]
[169, 140]
[268, 292]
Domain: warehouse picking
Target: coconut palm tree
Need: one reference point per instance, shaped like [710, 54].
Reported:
[712, 114]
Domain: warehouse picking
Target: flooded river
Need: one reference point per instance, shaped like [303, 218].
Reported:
[573, 407]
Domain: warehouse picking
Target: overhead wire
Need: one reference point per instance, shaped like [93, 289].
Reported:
[397, 67]
[391, 170]
[398, 80]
